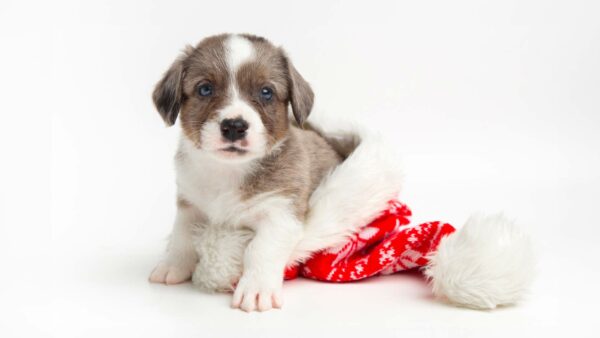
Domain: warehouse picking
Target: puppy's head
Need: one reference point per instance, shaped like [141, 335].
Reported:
[232, 94]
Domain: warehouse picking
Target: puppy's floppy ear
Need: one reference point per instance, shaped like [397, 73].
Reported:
[301, 95]
[168, 93]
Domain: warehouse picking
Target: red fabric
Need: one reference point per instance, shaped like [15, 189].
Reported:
[388, 244]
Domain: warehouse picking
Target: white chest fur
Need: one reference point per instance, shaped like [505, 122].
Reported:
[213, 186]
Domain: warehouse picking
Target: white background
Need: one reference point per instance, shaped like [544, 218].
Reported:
[494, 106]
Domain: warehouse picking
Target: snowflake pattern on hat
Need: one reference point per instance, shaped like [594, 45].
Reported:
[387, 245]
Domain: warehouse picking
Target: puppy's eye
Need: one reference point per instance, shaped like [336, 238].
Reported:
[266, 93]
[205, 89]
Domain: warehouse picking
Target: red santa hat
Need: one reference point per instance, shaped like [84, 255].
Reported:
[356, 229]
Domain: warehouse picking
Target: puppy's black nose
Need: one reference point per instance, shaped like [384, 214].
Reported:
[234, 129]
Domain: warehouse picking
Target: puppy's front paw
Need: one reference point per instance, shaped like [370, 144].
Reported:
[170, 273]
[257, 294]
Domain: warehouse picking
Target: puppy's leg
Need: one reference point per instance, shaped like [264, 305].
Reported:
[181, 258]
[265, 259]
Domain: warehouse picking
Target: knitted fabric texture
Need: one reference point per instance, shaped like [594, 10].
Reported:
[387, 245]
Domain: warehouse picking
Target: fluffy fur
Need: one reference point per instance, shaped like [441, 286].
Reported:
[220, 253]
[487, 263]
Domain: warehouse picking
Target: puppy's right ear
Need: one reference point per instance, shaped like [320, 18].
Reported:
[168, 93]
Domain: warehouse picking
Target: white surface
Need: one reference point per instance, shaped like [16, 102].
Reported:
[495, 106]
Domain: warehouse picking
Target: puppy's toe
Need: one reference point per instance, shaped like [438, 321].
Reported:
[159, 274]
[249, 302]
[247, 297]
[277, 300]
[169, 274]
[265, 301]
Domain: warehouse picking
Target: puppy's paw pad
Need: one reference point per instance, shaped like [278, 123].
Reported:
[169, 274]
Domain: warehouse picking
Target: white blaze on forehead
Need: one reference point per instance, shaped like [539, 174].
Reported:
[239, 51]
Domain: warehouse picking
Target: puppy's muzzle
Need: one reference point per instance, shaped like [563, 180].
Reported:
[234, 129]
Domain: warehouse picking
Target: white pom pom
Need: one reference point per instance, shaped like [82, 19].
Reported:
[487, 263]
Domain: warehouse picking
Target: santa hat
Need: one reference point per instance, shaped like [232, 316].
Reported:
[356, 228]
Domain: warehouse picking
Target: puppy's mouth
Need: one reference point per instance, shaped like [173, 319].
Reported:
[234, 149]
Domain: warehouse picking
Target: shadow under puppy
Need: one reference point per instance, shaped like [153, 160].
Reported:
[245, 172]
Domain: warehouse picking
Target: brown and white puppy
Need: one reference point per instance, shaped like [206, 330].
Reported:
[241, 162]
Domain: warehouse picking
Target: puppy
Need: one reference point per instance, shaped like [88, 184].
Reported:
[242, 162]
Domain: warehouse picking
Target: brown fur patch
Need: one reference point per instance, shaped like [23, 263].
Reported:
[268, 69]
[295, 170]
[205, 64]
[344, 144]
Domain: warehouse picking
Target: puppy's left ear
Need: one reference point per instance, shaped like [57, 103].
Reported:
[168, 95]
[301, 95]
